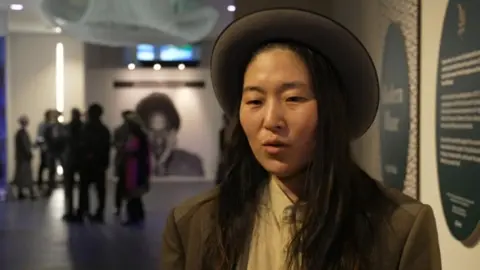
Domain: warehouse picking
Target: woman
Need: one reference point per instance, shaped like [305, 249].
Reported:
[293, 198]
[120, 136]
[136, 169]
[23, 160]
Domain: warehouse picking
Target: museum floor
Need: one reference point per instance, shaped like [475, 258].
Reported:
[33, 237]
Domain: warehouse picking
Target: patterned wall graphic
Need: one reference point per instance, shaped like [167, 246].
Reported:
[399, 95]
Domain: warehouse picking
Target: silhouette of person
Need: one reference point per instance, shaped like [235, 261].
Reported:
[96, 158]
[41, 144]
[23, 159]
[120, 137]
[73, 159]
[56, 140]
[135, 170]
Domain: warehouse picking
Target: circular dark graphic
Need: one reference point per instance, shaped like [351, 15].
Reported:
[394, 109]
[458, 119]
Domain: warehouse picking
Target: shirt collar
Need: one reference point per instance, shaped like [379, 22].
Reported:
[280, 204]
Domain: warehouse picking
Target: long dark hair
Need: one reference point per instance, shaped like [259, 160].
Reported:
[343, 207]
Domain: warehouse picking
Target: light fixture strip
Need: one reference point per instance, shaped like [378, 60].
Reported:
[59, 77]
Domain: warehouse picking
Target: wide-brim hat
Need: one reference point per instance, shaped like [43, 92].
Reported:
[238, 41]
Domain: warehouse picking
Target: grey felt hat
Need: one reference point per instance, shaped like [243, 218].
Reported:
[236, 44]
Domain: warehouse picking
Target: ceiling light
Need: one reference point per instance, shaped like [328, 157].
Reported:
[58, 30]
[16, 7]
[131, 66]
[231, 8]
[157, 67]
[181, 66]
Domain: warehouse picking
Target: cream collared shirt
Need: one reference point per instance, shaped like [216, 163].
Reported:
[272, 232]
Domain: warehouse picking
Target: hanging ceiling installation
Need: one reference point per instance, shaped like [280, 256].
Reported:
[128, 22]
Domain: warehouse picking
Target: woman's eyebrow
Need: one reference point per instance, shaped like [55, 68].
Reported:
[283, 86]
[253, 89]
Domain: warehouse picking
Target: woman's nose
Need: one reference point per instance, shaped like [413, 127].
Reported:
[274, 116]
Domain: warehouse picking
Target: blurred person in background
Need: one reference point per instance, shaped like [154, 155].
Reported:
[23, 178]
[95, 161]
[56, 141]
[135, 169]
[120, 137]
[73, 163]
[40, 143]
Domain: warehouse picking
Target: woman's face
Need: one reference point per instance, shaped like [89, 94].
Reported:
[278, 111]
[52, 116]
[24, 122]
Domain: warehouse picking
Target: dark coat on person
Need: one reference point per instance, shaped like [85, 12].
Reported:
[96, 146]
[23, 159]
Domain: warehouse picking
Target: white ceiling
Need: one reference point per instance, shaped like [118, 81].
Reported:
[30, 20]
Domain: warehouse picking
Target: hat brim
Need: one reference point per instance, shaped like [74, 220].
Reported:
[236, 44]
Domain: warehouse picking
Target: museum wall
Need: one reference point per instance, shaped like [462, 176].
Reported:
[95, 68]
[365, 26]
[455, 188]
[32, 77]
[100, 56]
[189, 90]
[192, 97]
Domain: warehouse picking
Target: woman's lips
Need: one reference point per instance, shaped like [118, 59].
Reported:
[274, 149]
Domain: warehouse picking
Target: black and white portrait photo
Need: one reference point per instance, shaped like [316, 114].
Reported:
[163, 122]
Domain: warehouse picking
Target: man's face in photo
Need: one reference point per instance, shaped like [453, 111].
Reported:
[158, 132]
[158, 122]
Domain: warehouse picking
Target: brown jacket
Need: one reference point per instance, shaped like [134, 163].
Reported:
[411, 238]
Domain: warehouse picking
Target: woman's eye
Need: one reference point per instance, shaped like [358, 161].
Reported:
[254, 102]
[295, 99]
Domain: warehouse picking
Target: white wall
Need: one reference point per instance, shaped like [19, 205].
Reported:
[362, 18]
[366, 25]
[200, 114]
[371, 26]
[455, 255]
[31, 70]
